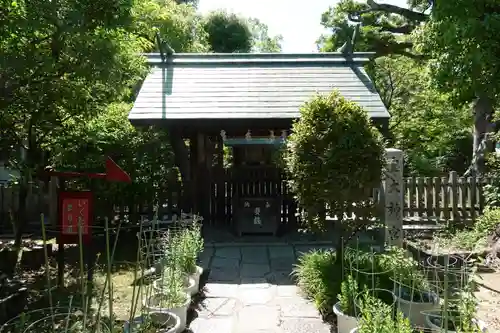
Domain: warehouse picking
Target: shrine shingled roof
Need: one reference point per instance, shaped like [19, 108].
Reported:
[249, 86]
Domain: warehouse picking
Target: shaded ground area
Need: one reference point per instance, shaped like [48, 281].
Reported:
[250, 290]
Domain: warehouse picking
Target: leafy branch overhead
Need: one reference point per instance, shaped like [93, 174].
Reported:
[385, 29]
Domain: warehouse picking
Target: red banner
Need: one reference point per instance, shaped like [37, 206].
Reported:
[75, 210]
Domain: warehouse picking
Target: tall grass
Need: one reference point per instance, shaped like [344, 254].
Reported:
[87, 317]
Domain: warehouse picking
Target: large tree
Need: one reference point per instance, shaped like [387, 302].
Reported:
[178, 25]
[463, 41]
[433, 133]
[230, 33]
[61, 61]
[136, 150]
[458, 38]
[261, 40]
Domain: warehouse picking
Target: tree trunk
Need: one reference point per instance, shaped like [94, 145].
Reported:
[483, 114]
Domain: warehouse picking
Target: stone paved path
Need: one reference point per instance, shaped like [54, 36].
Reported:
[249, 290]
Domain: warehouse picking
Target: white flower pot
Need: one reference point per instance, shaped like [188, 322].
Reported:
[354, 330]
[415, 311]
[189, 285]
[436, 329]
[152, 302]
[345, 323]
[163, 317]
[196, 277]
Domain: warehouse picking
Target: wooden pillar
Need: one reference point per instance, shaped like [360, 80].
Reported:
[220, 181]
[193, 157]
[53, 202]
[202, 182]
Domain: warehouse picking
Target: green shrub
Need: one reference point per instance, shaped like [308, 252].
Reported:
[378, 317]
[334, 157]
[319, 275]
[476, 238]
[319, 278]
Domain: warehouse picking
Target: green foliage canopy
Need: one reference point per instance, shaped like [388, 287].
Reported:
[434, 134]
[228, 32]
[231, 33]
[462, 39]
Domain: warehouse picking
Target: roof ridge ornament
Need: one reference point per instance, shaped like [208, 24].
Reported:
[347, 49]
[165, 49]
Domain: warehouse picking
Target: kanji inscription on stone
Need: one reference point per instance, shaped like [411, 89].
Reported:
[393, 196]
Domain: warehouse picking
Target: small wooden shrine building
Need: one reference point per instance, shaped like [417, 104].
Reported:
[247, 103]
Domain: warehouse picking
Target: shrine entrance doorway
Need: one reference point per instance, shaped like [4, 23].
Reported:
[257, 187]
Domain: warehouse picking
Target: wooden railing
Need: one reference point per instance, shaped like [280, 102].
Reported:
[441, 199]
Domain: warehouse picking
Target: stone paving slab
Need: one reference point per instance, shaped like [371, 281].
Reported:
[250, 291]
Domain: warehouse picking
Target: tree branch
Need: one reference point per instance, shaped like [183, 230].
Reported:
[404, 29]
[402, 48]
[387, 27]
[391, 9]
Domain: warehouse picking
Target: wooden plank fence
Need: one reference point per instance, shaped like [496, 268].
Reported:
[428, 201]
[37, 202]
[443, 199]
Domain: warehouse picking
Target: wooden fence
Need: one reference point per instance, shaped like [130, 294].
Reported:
[453, 198]
[37, 202]
[427, 200]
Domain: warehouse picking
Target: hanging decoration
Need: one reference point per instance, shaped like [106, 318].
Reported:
[248, 139]
[223, 135]
[271, 135]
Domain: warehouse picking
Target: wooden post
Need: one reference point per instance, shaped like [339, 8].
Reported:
[393, 197]
[454, 196]
[53, 202]
[60, 243]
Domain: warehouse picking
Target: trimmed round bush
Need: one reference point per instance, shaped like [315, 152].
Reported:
[334, 157]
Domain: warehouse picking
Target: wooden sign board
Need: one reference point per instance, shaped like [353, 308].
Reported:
[256, 215]
[76, 208]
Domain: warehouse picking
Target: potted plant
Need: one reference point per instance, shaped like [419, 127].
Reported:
[154, 322]
[188, 282]
[67, 323]
[172, 298]
[458, 314]
[189, 247]
[345, 308]
[377, 317]
[413, 295]
[383, 295]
